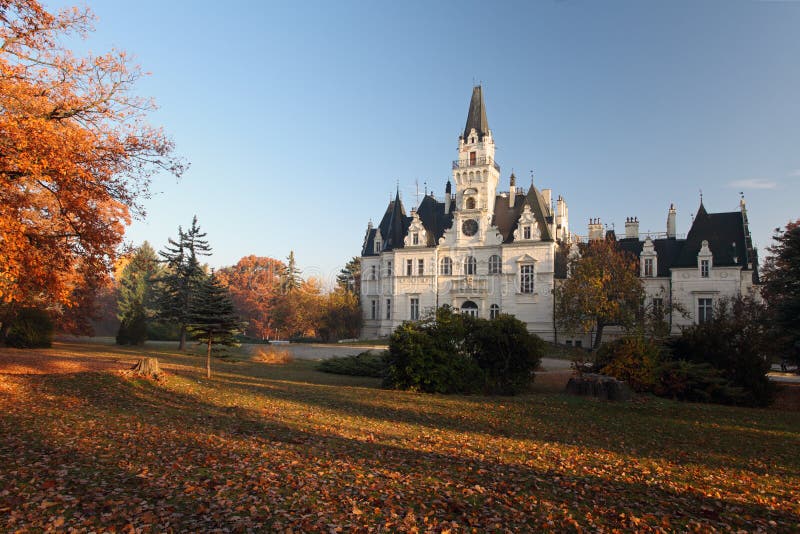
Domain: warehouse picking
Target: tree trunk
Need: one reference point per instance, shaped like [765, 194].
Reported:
[208, 358]
[182, 342]
[598, 338]
[147, 367]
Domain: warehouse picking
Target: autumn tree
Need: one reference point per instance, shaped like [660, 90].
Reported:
[602, 289]
[341, 316]
[76, 157]
[781, 289]
[183, 277]
[136, 297]
[254, 284]
[212, 319]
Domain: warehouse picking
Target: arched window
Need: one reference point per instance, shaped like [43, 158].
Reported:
[495, 265]
[470, 265]
[446, 266]
[469, 308]
[470, 203]
[494, 311]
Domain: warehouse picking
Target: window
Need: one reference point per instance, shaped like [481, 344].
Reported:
[374, 271]
[473, 156]
[658, 306]
[469, 308]
[494, 311]
[569, 342]
[377, 245]
[415, 238]
[648, 266]
[495, 265]
[389, 268]
[470, 204]
[388, 308]
[414, 308]
[409, 267]
[374, 314]
[704, 310]
[526, 232]
[470, 265]
[420, 267]
[526, 279]
[704, 268]
[578, 343]
[446, 266]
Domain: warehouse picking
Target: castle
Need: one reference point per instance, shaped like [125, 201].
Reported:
[486, 251]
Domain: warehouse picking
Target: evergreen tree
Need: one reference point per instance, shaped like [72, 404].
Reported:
[349, 278]
[135, 299]
[781, 290]
[212, 319]
[290, 281]
[184, 275]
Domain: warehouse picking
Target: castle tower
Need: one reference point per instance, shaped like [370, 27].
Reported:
[475, 174]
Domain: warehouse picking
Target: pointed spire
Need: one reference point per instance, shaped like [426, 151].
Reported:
[513, 179]
[448, 188]
[477, 115]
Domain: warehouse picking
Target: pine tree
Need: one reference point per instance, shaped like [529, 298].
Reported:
[135, 299]
[212, 319]
[184, 275]
[290, 281]
[349, 278]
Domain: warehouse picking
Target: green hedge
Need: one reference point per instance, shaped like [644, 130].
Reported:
[363, 364]
[31, 328]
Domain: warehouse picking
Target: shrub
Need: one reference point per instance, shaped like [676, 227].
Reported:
[31, 328]
[697, 382]
[163, 331]
[633, 359]
[273, 355]
[736, 343]
[506, 352]
[132, 331]
[453, 353]
[363, 364]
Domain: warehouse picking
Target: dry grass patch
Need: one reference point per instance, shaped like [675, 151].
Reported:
[272, 355]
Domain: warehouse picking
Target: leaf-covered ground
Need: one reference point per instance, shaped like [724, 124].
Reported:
[266, 448]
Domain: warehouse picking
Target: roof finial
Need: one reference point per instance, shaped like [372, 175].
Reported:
[531, 177]
[701, 196]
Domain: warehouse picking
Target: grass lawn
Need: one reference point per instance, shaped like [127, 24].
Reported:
[263, 447]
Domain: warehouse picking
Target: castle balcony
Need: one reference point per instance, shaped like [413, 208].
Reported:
[468, 285]
[474, 162]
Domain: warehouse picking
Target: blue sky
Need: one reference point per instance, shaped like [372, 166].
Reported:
[299, 118]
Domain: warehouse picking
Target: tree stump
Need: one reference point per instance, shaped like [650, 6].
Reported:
[147, 367]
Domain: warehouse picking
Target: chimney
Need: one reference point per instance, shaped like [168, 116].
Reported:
[447, 190]
[632, 228]
[512, 191]
[671, 222]
[595, 229]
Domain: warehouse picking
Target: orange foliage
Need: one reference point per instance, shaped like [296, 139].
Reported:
[254, 283]
[75, 156]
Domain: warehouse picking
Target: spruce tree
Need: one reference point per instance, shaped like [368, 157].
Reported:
[184, 275]
[212, 319]
[349, 278]
[135, 299]
[290, 280]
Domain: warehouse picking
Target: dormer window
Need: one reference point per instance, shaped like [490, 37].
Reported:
[526, 232]
[648, 267]
[705, 268]
[415, 238]
[377, 245]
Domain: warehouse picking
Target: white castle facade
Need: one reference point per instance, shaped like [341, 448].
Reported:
[487, 251]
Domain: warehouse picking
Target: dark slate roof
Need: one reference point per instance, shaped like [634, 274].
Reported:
[506, 218]
[667, 251]
[369, 243]
[726, 238]
[393, 228]
[434, 219]
[476, 118]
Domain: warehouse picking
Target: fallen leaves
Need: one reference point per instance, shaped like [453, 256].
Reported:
[242, 452]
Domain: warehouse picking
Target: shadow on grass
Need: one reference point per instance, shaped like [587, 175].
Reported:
[316, 473]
